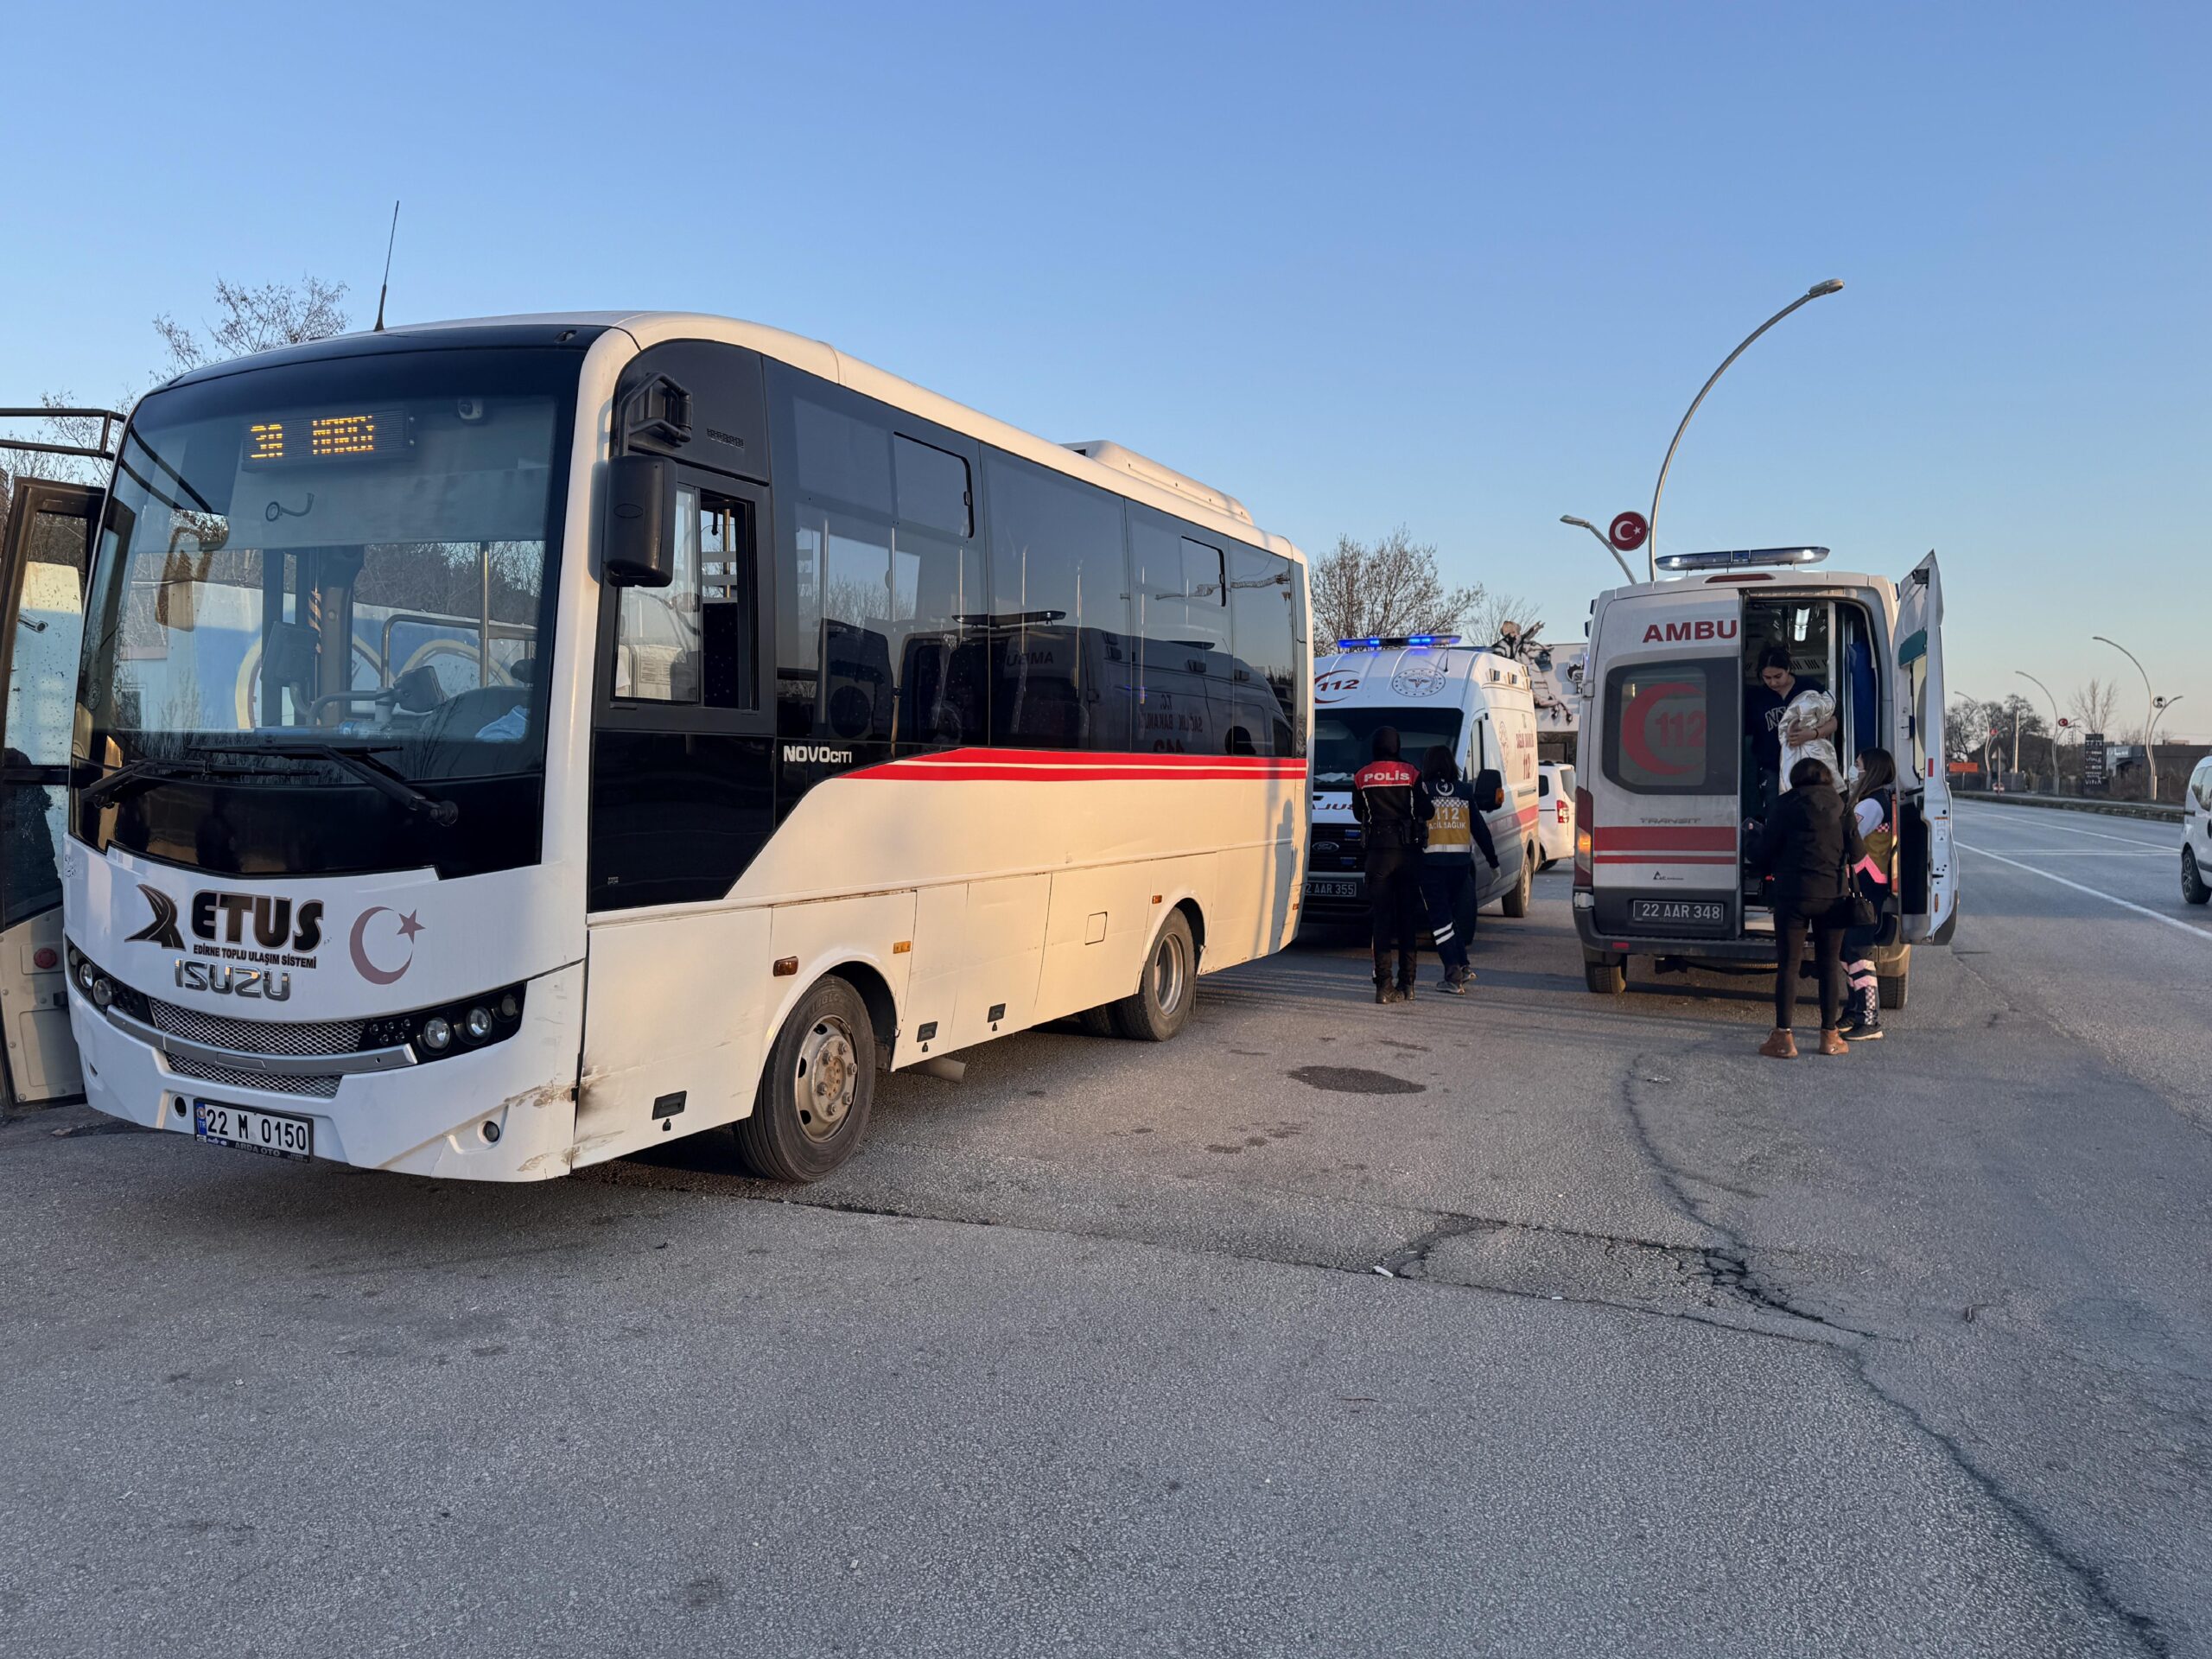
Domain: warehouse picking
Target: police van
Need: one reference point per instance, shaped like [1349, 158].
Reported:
[1435, 689]
[1670, 778]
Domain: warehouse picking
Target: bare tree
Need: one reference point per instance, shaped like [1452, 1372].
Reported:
[251, 319]
[1967, 728]
[2094, 705]
[1391, 587]
[246, 319]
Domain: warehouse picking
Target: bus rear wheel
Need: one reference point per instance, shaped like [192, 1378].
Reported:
[1164, 997]
[812, 1106]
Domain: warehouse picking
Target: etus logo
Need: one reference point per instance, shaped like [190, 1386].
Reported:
[1683, 634]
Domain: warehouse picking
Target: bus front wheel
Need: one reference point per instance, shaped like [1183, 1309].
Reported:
[1163, 998]
[812, 1106]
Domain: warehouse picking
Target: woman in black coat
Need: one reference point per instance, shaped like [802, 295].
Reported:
[1809, 845]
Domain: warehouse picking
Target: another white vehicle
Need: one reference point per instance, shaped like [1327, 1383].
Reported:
[1667, 782]
[1433, 690]
[2197, 835]
[1554, 813]
[504, 746]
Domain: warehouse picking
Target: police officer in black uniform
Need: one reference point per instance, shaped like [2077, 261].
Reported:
[1388, 800]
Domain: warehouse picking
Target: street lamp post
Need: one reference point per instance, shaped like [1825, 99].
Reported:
[2150, 718]
[2165, 704]
[1651, 544]
[1604, 541]
[2056, 725]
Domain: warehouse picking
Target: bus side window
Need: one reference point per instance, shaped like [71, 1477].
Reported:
[1059, 612]
[657, 629]
[691, 643]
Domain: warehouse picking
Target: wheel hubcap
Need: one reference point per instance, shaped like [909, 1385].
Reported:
[826, 1079]
[1168, 972]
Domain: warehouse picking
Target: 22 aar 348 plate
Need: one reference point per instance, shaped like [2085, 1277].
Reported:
[274, 1134]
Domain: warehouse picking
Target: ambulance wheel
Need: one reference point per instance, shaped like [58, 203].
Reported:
[1163, 999]
[1894, 987]
[1516, 901]
[1607, 976]
[1098, 1021]
[2193, 888]
[811, 1108]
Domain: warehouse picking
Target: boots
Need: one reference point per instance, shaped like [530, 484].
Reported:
[1832, 1042]
[1384, 991]
[1408, 968]
[1783, 1045]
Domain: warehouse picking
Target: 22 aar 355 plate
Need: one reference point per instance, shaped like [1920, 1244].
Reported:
[274, 1134]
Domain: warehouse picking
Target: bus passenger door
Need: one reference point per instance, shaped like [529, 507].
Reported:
[1928, 866]
[682, 800]
[44, 555]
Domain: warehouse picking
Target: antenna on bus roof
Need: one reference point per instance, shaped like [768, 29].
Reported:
[386, 289]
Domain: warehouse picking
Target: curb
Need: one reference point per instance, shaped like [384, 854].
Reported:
[2157, 813]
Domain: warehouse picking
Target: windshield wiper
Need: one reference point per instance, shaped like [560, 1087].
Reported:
[360, 762]
[144, 772]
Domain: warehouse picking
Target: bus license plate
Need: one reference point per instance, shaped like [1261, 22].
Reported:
[1332, 889]
[274, 1134]
[1695, 912]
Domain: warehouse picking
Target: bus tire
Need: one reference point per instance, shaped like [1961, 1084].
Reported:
[812, 1106]
[1098, 1021]
[1605, 975]
[1158, 1009]
[1893, 988]
[1516, 897]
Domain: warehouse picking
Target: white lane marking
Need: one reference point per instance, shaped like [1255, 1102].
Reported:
[2204, 933]
[2097, 835]
[2088, 852]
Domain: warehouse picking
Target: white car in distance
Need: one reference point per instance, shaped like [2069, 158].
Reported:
[1554, 813]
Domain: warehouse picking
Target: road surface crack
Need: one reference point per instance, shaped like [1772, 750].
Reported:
[1729, 1268]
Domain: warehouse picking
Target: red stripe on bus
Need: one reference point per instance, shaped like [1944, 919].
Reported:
[1062, 766]
[1667, 838]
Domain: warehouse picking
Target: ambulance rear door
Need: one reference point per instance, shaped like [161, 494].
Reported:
[1666, 807]
[1927, 868]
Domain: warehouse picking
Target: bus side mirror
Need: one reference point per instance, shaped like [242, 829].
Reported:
[640, 524]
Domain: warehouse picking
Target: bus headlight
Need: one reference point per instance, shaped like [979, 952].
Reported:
[85, 975]
[478, 1023]
[103, 990]
[437, 1032]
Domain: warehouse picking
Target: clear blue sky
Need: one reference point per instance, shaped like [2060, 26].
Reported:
[1459, 268]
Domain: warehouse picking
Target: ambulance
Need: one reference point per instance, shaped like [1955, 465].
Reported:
[1669, 780]
[1435, 689]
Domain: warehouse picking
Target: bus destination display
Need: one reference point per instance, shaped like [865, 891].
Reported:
[365, 434]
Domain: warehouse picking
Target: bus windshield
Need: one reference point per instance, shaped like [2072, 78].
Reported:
[348, 556]
[1343, 739]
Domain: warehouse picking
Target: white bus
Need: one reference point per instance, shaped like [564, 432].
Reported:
[503, 745]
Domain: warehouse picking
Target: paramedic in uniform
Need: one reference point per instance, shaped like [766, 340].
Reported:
[1456, 830]
[1388, 800]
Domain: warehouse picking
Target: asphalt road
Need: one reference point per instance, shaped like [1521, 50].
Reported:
[1679, 1350]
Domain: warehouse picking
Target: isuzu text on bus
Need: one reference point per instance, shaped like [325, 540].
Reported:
[504, 746]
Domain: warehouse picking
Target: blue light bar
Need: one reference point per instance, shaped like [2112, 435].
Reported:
[1742, 558]
[1412, 641]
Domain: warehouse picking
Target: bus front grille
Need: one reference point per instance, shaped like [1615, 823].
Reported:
[224, 1076]
[258, 1036]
